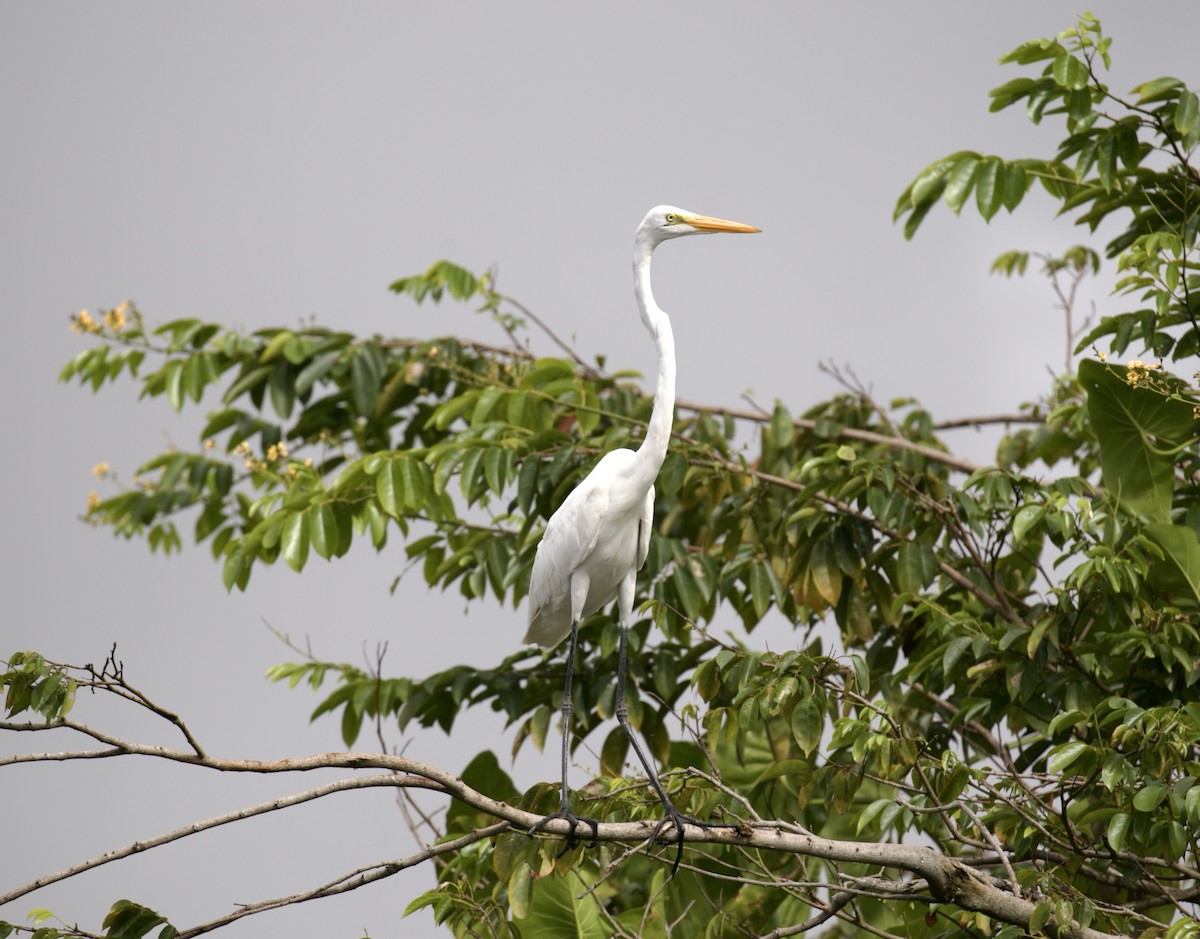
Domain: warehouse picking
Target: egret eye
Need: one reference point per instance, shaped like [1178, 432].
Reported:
[670, 218]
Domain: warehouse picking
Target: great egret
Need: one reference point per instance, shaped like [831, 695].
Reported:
[596, 542]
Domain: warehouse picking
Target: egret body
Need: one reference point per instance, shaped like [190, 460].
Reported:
[597, 541]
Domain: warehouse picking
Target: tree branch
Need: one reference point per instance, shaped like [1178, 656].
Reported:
[949, 880]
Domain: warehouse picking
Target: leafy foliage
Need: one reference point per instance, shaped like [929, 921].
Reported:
[1019, 679]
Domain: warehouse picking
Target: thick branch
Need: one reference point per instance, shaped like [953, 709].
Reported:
[949, 880]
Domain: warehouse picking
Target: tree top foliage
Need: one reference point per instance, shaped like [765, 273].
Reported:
[1006, 747]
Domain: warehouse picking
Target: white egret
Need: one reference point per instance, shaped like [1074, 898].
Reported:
[596, 542]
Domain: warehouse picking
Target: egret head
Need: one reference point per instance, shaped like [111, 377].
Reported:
[668, 221]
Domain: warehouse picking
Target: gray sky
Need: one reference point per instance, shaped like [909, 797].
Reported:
[259, 164]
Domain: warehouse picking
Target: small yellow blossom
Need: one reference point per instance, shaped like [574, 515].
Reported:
[115, 319]
[82, 323]
[1103, 356]
[209, 443]
[308, 462]
[93, 501]
[101, 471]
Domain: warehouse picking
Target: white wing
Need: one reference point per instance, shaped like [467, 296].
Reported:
[596, 533]
[644, 525]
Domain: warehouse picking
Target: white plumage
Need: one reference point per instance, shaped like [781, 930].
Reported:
[597, 541]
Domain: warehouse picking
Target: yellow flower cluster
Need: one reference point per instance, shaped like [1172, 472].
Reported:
[277, 451]
[101, 471]
[82, 323]
[113, 320]
[1137, 372]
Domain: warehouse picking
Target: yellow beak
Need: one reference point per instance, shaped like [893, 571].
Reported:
[707, 223]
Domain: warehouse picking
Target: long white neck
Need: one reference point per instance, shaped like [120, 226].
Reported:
[653, 450]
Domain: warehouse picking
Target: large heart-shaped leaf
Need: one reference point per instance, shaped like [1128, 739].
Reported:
[1140, 431]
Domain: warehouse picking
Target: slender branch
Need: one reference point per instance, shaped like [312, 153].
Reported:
[349, 881]
[137, 847]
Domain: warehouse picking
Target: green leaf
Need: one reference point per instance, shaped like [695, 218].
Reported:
[1187, 113]
[1016, 182]
[1150, 797]
[612, 754]
[520, 891]
[323, 530]
[129, 920]
[1027, 516]
[959, 181]
[282, 392]
[953, 653]
[1140, 432]
[389, 487]
[364, 383]
[1069, 72]
[560, 908]
[315, 370]
[1065, 755]
[293, 540]
[1177, 574]
[916, 566]
[808, 721]
[989, 187]
[1118, 828]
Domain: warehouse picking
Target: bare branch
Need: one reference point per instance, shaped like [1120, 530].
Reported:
[949, 879]
[137, 847]
[349, 881]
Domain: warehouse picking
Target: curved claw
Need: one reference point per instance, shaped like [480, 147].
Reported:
[676, 819]
[572, 837]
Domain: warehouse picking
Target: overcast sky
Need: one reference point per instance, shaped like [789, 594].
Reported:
[260, 164]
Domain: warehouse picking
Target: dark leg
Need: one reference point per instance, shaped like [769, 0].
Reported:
[568, 710]
[672, 816]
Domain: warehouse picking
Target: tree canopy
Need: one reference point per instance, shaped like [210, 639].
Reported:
[1007, 746]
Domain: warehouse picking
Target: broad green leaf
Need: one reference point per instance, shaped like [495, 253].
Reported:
[559, 908]
[1150, 797]
[1178, 572]
[1140, 432]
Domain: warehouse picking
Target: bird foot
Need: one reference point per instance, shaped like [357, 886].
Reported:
[675, 819]
[573, 838]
